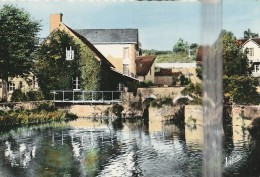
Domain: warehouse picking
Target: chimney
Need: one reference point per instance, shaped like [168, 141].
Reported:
[55, 21]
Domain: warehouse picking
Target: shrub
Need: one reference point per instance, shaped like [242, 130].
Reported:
[184, 80]
[148, 83]
[117, 109]
[35, 95]
[18, 96]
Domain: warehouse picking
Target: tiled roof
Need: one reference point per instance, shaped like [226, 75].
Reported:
[144, 64]
[91, 46]
[96, 36]
[243, 41]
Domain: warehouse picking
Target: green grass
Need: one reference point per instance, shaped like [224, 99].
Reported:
[174, 58]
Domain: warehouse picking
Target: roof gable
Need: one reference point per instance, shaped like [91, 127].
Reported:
[91, 46]
[254, 40]
[100, 36]
[144, 64]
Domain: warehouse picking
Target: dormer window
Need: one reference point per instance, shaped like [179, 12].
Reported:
[69, 53]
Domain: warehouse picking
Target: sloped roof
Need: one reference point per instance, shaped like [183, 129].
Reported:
[92, 47]
[99, 36]
[144, 64]
[243, 41]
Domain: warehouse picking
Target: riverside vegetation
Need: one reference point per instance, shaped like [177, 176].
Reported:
[44, 113]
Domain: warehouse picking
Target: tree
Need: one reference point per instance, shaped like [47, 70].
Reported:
[181, 47]
[238, 85]
[18, 39]
[248, 34]
[235, 61]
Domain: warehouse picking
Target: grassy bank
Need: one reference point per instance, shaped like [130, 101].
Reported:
[44, 113]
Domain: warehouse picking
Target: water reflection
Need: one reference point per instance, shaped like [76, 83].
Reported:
[121, 148]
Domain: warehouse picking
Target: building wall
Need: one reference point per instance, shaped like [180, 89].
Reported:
[163, 80]
[252, 44]
[115, 54]
[25, 86]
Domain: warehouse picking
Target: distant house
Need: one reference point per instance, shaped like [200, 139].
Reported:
[119, 46]
[253, 53]
[145, 68]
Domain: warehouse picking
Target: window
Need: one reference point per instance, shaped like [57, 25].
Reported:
[11, 87]
[256, 68]
[126, 52]
[69, 53]
[76, 83]
[35, 83]
[21, 85]
[120, 87]
[250, 52]
[125, 69]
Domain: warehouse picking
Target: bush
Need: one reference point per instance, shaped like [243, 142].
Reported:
[184, 80]
[117, 109]
[18, 96]
[148, 83]
[35, 95]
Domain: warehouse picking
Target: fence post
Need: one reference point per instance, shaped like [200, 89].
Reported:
[63, 95]
[73, 95]
[83, 96]
[112, 96]
[92, 95]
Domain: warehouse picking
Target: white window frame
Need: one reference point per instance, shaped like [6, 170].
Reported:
[250, 52]
[69, 53]
[11, 87]
[76, 85]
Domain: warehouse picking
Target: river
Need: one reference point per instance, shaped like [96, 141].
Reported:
[120, 148]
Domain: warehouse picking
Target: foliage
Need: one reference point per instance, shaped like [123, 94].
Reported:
[199, 70]
[90, 68]
[235, 61]
[241, 89]
[158, 103]
[18, 96]
[174, 80]
[18, 40]
[43, 114]
[183, 80]
[181, 47]
[54, 72]
[195, 91]
[238, 85]
[117, 109]
[248, 34]
[156, 52]
[35, 95]
[148, 83]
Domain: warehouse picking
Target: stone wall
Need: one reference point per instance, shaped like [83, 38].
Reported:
[193, 114]
[164, 113]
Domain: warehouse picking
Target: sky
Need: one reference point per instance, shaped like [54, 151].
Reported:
[160, 24]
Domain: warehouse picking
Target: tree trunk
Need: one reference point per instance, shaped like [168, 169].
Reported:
[4, 89]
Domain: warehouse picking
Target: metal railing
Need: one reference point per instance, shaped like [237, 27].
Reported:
[73, 96]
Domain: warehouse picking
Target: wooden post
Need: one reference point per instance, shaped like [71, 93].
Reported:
[63, 95]
[92, 95]
[73, 95]
[102, 96]
[112, 96]
[83, 96]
